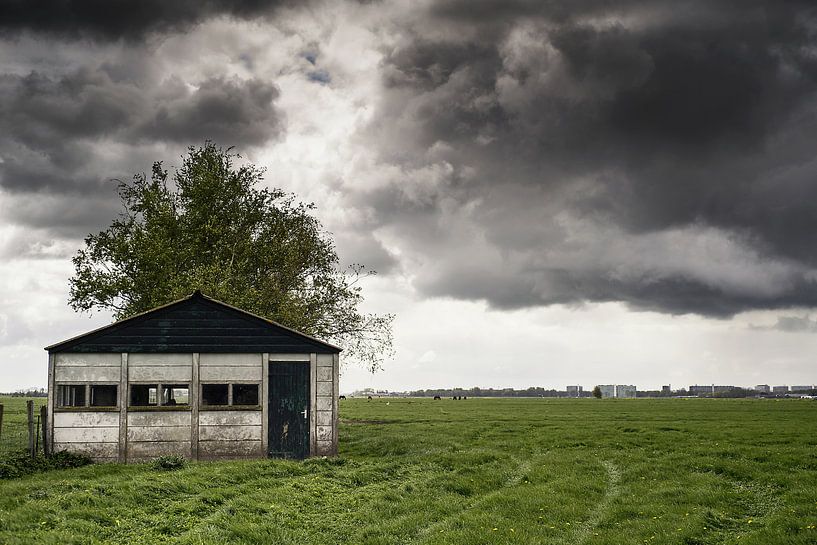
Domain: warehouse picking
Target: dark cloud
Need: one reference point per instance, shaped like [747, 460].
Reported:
[114, 19]
[573, 120]
[238, 112]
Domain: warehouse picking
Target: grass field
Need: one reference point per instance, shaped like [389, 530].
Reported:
[528, 471]
[14, 434]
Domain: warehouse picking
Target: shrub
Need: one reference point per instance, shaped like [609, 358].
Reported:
[169, 463]
[19, 464]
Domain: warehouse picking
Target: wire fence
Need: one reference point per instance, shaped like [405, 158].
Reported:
[14, 424]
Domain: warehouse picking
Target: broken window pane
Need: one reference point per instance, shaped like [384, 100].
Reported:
[213, 394]
[103, 395]
[143, 395]
[245, 394]
[175, 394]
[71, 395]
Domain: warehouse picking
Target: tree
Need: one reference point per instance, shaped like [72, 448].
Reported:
[597, 392]
[213, 227]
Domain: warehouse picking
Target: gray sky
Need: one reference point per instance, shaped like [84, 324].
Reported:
[552, 192]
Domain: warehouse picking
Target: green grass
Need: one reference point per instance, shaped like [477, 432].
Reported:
[526, 471]
[14, 433]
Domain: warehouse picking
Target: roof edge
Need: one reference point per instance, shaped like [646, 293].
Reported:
[195, 295]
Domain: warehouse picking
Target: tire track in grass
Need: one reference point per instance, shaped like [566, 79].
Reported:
[585, 529]
[514, 479]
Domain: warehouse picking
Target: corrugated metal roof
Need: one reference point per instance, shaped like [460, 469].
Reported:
[195, 324]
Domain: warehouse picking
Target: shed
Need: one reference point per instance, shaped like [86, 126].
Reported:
[197, 378]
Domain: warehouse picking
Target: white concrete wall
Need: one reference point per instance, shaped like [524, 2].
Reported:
[95, 434]
[151, 434]
[194, 432]
[230, 434]
[324, 405]
[87, 367]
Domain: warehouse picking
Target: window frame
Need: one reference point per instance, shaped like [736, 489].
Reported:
[159, 405]
[86, 406]
[230, 406]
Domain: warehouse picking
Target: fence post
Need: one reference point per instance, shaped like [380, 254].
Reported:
[1, 420]
[43, 423]
[30, 414]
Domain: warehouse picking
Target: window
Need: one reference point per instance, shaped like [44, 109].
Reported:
[175, 394]
[103, 395]
[245, 394]
[71, 395]
[230, 395]
[214, 394]
[144, 395]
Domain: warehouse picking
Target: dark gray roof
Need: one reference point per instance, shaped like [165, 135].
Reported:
[195, 324]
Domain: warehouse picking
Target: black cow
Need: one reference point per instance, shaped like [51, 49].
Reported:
[437, 397]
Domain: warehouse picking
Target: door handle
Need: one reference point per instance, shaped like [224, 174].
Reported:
[304, 413]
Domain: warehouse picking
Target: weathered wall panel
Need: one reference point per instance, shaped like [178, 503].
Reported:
[324, 404]
[86, 374]
[229, 433]
[84, 360]
[325, 374]
[161, 359]
[230, 418]
[86, 419]
[325, 360]
[159, 433]
[230, 360]
[159, 418]
[324, 433]
[138, 450]
[230, 374]
[324, 388]
[87, 435]
[211, 450]
[288, 357]
[324, 418]
[97, 451]
[324, 448]
[160, 373]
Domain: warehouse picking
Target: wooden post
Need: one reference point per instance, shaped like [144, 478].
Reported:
[30, 414]
[44, 425]
[1, 420]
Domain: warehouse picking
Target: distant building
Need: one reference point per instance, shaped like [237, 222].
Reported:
[666, 389]
[763, 388]
[712, 389]
[780, 389]
[701, 390]
[574, 391]
[802, 388]
[625, 390]
[724, 389]
[607, 390]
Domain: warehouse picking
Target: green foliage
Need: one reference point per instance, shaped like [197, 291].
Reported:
[212, 226]
[169, 463]
[21, 463]
[496, 471]
[597, 392]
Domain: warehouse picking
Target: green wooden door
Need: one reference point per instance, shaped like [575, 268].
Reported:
[289, 409]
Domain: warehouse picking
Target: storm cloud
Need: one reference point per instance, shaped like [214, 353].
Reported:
[521, 153]
[116, 19]
[656, 154]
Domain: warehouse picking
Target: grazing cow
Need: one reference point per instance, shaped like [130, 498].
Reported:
[342, 397]
[437, 397]
[369, 398]
[465, 397]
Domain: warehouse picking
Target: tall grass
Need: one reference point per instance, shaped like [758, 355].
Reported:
[522, 471]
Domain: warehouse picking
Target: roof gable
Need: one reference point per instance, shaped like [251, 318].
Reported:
[195, 324]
